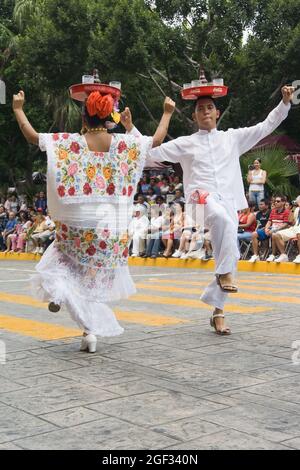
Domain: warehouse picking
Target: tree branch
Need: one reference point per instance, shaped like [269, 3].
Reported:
[150, 114]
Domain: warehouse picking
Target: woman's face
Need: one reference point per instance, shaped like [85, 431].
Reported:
[256, 164]
[288, 206]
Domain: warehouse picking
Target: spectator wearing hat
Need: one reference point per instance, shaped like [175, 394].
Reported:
[138, 230]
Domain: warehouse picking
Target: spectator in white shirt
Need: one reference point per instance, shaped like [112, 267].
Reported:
[138, 230]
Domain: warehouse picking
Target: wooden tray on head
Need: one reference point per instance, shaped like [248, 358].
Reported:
[193, 93]
[81, 91]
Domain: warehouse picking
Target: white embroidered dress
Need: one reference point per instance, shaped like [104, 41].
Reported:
[90, 195]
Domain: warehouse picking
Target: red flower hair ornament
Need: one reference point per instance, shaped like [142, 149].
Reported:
[100, 105]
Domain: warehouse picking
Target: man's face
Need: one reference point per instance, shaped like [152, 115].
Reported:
[178, 194]
[140, 200]
[262, 206]
[42, 195]
[11, 215]
[279, 204]
[206, 114]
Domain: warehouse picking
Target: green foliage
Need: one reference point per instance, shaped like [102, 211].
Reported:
[279, 170]
[153, 47]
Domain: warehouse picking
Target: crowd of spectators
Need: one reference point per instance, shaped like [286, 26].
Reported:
[268, 229]
[162, 226]
[24, 227]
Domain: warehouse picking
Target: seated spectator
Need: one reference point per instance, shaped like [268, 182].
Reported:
[141, 200]
[144, 185]
[164, 186]
[16, 241]
[168, 232]
[170, 196]
[290, 206]
[9, 228]
[40, 232]
[280, 238]
[3, 222]
[177, 183]
[179, 219]
[154, 186]
[160, 202]
[41, 203]
[151, 196]
[247, 223]
[138, 230]
[262, 218]
[186, 231]
[154, 233]
[12, 204]
[280, 220]
[178, 196]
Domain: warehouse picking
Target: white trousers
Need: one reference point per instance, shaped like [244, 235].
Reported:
[221, 218]
[138, 244]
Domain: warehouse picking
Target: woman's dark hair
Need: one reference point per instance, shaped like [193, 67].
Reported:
[93, 121]
[181, 205]
[257, 160]
[25, 214]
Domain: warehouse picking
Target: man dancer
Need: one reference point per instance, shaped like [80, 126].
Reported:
[210, 163]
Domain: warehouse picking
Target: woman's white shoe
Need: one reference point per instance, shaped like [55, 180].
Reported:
[89, 343]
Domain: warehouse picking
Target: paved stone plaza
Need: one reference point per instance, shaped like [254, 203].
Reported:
[168, 383]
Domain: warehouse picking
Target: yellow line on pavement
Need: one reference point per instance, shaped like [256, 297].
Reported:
[36, 329]
[257, 288]
[21, 299]
[192, 303]
[50, 331]
[255, 281]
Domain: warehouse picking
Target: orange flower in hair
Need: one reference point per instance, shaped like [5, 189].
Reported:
[99, 105]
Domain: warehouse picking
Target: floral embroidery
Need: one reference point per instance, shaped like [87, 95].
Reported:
[80, 172]
[91, 246]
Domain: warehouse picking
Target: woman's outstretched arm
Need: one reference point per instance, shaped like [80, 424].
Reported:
[26, 128]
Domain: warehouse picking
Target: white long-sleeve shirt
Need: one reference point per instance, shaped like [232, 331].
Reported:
[139, 226]
[210, 160]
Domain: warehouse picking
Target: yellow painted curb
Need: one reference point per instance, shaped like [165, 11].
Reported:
[258, 267]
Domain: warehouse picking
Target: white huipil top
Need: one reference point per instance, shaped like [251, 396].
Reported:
[210, 160]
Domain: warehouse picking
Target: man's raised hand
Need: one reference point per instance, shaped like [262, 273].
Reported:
[287, 93]
[169, 105]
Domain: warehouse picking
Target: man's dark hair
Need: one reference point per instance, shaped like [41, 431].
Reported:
[206, 97]
[266, 201]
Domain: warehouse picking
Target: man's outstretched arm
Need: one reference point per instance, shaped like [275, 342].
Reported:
[247, 137]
